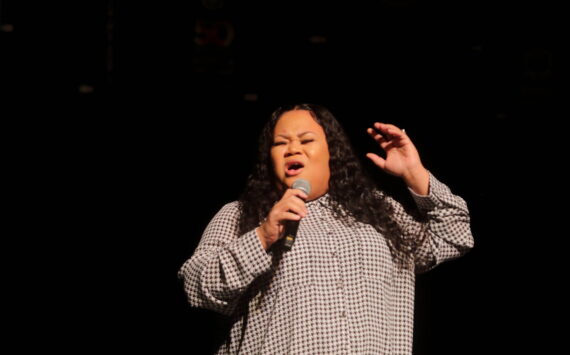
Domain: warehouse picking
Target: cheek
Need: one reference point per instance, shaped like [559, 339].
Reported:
[320, 156]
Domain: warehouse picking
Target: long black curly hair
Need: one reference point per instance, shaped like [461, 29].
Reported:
[351, 190]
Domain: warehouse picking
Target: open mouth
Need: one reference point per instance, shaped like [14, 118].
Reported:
[293, 168]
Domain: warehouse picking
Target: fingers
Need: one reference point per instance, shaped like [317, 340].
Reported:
[293, 201]
[297, 206]
[376, 136]
[291, 207]
[299, 193]
[289, 216]
[383, 132]
[380, 162]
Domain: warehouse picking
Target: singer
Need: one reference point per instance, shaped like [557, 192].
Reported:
[346, 285]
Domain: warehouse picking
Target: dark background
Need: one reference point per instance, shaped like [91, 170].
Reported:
[132, 124]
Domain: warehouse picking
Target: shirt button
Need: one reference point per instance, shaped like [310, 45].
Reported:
[343, 314]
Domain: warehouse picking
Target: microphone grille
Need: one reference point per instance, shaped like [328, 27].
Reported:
[303, 185]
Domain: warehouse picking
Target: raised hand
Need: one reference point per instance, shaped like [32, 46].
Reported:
[402, 157]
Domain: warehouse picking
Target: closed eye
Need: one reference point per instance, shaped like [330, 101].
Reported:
[303, 141]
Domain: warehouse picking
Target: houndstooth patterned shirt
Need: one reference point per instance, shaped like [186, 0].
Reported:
[337, 291]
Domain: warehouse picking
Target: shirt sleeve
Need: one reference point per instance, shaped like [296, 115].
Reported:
[224, 264]
[444, 225]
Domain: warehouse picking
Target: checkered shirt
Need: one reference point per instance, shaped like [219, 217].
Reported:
[337, 291]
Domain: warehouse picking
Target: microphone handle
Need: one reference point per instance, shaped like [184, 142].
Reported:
[290, 233]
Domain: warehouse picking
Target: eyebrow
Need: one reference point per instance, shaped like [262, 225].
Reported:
[300, 134]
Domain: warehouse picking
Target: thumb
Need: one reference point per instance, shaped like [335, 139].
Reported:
[380, 162]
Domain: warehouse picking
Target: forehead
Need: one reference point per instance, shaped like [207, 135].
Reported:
[297, 121]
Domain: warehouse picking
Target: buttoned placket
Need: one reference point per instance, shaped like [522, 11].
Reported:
[342, 311]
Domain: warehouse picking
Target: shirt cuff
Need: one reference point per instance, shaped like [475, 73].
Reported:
[430, 201]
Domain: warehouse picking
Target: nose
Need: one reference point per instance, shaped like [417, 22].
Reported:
[292, 149]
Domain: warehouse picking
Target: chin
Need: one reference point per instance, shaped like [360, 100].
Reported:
[287, 181]
[291, 179]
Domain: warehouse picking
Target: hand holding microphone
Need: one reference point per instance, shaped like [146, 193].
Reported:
[283, 219]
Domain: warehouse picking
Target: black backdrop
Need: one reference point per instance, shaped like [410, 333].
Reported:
[131, 172]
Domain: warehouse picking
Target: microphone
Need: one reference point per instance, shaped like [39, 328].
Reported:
[292, 226]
